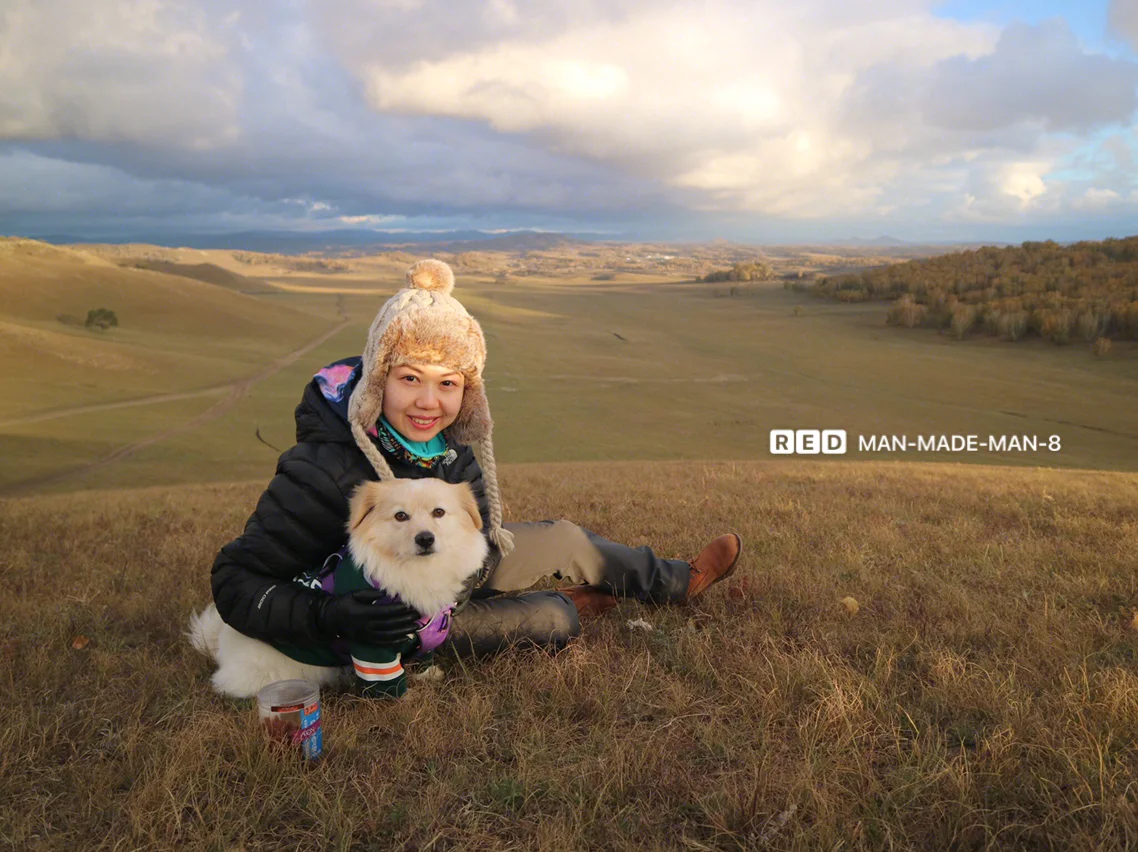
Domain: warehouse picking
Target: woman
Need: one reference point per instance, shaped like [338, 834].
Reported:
[414, 405]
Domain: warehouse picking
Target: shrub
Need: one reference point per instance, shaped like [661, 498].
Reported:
[103, 318]
[1088, 325]
[1101, 347]
[1056, 326]
[1012, 325]
[905, 311]
[963, 316]
[991, 319]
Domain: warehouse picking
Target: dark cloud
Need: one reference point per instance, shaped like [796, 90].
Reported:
[505, 113]
[117, 71]
[1122, 20]
[1037, 79]
[1038, 74]
[305, 132]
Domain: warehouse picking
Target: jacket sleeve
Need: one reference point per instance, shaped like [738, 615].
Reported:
[299, 520]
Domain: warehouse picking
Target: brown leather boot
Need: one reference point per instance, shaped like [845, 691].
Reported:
[715, 562]
[589, 600]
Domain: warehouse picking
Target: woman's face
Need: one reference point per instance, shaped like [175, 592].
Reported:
[420, 400]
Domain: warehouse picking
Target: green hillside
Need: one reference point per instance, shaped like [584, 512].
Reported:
[578, 369]
[40, 283]
[174, 333]
[210, 273]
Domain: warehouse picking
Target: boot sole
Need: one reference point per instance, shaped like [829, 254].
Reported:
[734, 563]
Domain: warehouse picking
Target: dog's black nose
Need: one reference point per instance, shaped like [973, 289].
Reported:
[425, 540]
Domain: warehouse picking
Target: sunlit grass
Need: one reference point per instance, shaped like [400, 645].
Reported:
[983, 696]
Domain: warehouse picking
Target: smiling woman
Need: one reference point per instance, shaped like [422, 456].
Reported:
[414, 406]
[421, 400]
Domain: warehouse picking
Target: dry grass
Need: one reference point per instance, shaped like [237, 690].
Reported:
[985, 695]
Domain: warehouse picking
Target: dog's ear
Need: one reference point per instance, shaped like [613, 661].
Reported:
[470, 506]
[367, 496]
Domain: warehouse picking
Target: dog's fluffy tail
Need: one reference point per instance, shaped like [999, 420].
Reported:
[205, 628]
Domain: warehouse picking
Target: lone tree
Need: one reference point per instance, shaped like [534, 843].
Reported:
[101, 318]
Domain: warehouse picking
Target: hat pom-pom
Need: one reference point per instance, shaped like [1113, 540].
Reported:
[431, 275]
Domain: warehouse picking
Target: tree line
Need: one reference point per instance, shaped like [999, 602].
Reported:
[1085, 291]
[751, 270]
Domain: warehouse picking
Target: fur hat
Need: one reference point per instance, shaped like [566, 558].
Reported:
[424, 324]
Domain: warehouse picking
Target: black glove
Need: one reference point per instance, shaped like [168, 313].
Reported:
[363, 616]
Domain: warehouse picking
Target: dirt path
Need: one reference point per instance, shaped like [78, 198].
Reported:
[234, 392]
[130, 403]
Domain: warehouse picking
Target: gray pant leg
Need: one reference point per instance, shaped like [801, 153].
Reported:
[489, 625]
[639, 573]
[564, 551]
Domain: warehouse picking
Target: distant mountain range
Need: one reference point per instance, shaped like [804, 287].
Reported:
[300, 242]
[359, 241]
[882, 241]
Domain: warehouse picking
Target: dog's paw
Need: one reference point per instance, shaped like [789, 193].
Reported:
[431, 674]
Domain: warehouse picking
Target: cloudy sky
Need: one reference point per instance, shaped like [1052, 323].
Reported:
[754, 120]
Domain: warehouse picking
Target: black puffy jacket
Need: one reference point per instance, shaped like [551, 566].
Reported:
[302, 517]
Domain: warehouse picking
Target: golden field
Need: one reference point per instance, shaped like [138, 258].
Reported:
[983, 696]
[645, 366]
[982, 693]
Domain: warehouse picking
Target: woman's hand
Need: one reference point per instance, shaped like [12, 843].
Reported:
[365, 615]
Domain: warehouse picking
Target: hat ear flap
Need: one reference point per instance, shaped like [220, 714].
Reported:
[366, 404]
[473, 422]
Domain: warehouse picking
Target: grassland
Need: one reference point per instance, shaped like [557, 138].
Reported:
[175, 334]
[643, 366]
[984, 696]
[72, 396]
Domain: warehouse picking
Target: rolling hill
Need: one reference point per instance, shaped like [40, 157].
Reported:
[174, 333]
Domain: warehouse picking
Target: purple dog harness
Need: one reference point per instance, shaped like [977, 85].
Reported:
[432, 629]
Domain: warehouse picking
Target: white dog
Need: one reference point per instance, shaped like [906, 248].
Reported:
[417, 539]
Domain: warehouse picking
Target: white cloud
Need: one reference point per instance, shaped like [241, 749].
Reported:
[368, 220]
[1024, 181]
[804, 110]
[1097, 199]
[501, 12]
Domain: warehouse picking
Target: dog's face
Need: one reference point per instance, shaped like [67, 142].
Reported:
[410, 534]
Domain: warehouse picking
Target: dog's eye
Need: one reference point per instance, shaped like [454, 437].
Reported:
[438, 513]
[402, 516]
